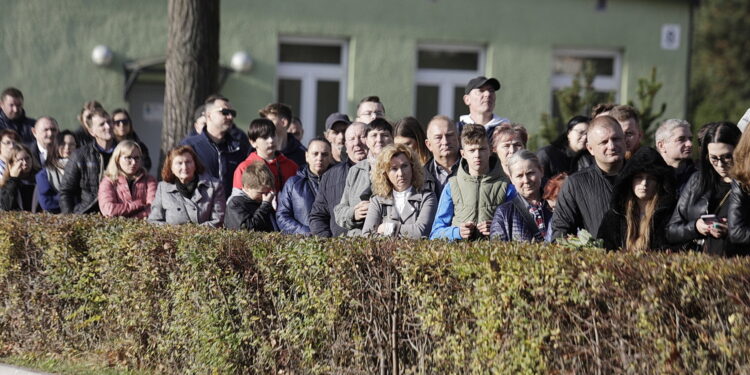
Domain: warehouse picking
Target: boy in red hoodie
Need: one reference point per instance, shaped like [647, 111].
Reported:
[262, 135]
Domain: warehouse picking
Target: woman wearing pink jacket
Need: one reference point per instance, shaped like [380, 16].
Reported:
[126, 189]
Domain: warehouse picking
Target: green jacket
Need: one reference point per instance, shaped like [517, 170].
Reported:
[475, 198]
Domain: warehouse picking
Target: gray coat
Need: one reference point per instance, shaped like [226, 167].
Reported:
[357, 186]
[416, 222]
[206, 207]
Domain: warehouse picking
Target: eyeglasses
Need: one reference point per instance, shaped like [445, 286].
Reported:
[227, 112]
[121, 122]
[724, 159]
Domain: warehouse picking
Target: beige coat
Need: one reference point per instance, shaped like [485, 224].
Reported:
[416, 221]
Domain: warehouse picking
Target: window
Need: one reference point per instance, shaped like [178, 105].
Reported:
[442, 74]
[607, 66]
[311, 78]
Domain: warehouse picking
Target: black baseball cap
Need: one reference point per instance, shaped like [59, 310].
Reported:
[480, 81]
[337, 117]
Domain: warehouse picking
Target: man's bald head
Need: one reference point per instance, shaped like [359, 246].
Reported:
[354, 141]
[606, 142]
[605, 121]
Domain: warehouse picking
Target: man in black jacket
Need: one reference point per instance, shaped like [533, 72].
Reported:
[322, 220]
[13, 116]
[79, 188]
[674, 142]
[585, 197]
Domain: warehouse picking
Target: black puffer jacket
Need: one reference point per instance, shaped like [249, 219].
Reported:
[582, 203]
[739, 217]
[80, 185]
[614, 227]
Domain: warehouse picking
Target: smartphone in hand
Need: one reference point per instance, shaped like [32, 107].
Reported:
[709, 219]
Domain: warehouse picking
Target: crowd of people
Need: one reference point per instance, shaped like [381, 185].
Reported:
[466, 180]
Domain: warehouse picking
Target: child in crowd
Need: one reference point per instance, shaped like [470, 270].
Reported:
[262, 135]
[469, 199]
[252, 209]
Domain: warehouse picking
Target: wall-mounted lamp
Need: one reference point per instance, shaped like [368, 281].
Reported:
[101, 55]
[241, 62]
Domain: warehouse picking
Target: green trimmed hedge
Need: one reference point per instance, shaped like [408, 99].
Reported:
[195, 300]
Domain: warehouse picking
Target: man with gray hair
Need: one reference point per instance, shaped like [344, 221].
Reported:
[45, 131]
[674, 142]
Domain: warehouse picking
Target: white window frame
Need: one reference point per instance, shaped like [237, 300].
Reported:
[601, 83]
[446, 79]
[309, 74]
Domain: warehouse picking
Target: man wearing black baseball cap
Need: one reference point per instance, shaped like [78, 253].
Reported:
[479, 96]
[336, 125]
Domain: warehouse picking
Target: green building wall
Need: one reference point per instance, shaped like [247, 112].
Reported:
[47, 44]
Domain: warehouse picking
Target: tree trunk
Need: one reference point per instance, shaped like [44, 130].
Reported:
[192, 66]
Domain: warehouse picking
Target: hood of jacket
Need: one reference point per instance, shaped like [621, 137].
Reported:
[644, 160]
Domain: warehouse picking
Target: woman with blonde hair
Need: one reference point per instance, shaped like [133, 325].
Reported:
[126, 189]
[399, 206]
[17, 183]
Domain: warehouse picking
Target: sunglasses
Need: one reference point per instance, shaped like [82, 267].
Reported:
[121, 122]
[227, 112]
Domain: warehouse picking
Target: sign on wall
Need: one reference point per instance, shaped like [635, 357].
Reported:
[153, 111]
[670, 36]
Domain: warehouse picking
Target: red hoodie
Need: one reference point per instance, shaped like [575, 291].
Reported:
[281, 167]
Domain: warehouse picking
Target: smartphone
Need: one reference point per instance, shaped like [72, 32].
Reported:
[709, 219]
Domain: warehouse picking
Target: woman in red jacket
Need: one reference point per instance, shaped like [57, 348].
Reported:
[126, 189]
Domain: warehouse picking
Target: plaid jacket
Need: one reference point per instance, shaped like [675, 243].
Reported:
[513, 221]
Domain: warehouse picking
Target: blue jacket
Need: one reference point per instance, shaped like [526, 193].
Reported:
[220, 160]
[47, 194]
[295, 202]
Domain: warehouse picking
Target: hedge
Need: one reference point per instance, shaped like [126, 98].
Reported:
[194, 300]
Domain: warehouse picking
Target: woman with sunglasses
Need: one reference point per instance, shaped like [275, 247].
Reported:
[700, 219]
[122, 127]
